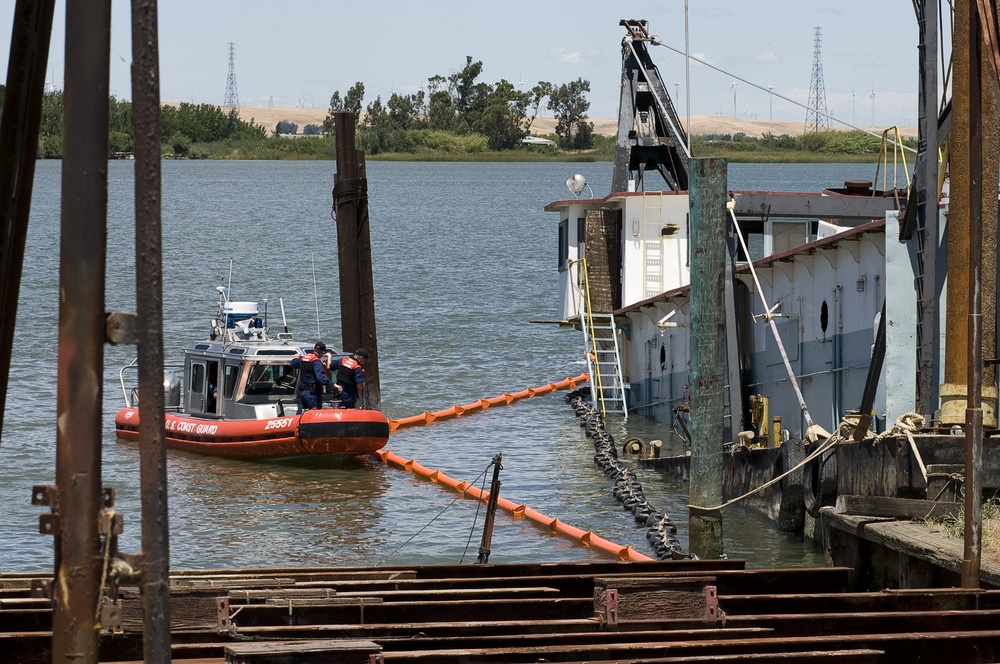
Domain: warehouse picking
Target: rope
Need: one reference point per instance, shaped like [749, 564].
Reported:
[479, 505]
[436, 517]
[830, 442]
[104, 564]
[906, 423]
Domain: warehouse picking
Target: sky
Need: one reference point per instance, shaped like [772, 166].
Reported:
[299, 52]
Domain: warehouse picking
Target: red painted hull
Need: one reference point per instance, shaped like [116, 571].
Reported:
[315, 433]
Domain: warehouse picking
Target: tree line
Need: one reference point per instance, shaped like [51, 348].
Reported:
[458, 112]
[462, 105]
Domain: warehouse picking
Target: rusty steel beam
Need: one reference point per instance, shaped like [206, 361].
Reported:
[974, 412]
[82, 258]
[22, 112]
[149, 309]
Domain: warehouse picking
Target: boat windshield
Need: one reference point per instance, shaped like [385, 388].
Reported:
[267, 382]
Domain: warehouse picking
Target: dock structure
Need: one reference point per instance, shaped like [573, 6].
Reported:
[687, 610]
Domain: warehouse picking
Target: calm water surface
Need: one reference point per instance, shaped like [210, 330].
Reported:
[464, 257]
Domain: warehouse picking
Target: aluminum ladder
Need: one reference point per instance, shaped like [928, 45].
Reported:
[604, 365]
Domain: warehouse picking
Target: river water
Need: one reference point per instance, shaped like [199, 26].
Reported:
[464, 257]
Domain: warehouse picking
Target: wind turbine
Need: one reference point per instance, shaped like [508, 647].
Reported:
[677, 91]
[770, 101]
[735, 115]
[854, 107]
[873, 103]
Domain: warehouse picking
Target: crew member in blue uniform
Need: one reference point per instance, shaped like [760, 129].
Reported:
[350, 377]
[312, 377]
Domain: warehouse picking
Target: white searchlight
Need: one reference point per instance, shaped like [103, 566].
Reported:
[576, 185]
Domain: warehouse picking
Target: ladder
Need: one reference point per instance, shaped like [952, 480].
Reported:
[652, 244]
[600, 337]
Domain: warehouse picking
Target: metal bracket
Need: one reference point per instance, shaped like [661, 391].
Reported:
[713, 614]
[44, 495]
[121, 327]
[611, 605]
[222, 612]
[41, 588]
[111, 616]
[48, 524]
[110, 523]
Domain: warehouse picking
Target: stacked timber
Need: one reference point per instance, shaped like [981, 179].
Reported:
[669, 611]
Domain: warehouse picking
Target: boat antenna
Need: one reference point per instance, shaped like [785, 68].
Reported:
[265, 315]
[315, 294]
[284, 322]
[230, 289]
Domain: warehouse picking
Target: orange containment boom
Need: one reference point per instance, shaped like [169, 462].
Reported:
[504, 399]
[555, 526]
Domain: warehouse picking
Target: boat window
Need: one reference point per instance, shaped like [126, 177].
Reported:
[787, 235]
[563, 244]
[269, 381]
[197, 378]
[232, 372]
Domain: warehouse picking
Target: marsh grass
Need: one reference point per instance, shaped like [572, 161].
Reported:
[954, 526]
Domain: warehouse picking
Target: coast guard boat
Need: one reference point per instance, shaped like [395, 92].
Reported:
[256, 413]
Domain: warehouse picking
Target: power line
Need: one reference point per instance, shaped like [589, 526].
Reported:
[775, 94]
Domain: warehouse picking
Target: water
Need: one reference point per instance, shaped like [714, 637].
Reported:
[464, 256]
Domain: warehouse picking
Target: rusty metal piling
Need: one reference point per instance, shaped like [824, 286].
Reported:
[82, 258]
[22, 112]
[149, 309]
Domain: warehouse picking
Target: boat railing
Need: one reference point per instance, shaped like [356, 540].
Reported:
[130, 389]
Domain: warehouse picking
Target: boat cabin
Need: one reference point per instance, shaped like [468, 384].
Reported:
[239, 372]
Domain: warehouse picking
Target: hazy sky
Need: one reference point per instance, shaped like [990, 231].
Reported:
[298, 52]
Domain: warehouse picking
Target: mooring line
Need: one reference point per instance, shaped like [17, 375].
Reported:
[504, 399]
[555, 526]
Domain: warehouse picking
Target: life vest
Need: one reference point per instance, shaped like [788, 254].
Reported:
[345, 374]
[308, 378]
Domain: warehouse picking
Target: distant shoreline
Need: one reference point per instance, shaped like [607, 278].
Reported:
[701, 125]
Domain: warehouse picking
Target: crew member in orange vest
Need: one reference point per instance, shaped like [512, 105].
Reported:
[350, 377]
[312, 377]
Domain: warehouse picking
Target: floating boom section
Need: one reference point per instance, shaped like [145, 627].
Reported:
[650, 135]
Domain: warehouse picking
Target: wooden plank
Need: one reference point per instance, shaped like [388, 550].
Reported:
[625, 598]
[902, 508]
[289, 603]
[913, 539]
[302, 652]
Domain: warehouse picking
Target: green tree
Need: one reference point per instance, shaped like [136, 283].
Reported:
[286, 127]
[569, 106]
[402, 110]
[355, 98]
[351, 102]
[376, 115]
[502, 120]
[538, 94]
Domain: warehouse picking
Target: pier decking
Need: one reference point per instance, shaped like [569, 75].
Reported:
[672, 611]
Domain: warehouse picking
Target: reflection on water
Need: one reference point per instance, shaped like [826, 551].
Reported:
[464, 256]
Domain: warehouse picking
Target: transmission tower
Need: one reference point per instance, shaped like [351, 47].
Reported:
[232, 98]
[816, 112]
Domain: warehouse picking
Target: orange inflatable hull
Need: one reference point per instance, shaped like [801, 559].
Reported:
[315, 433]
